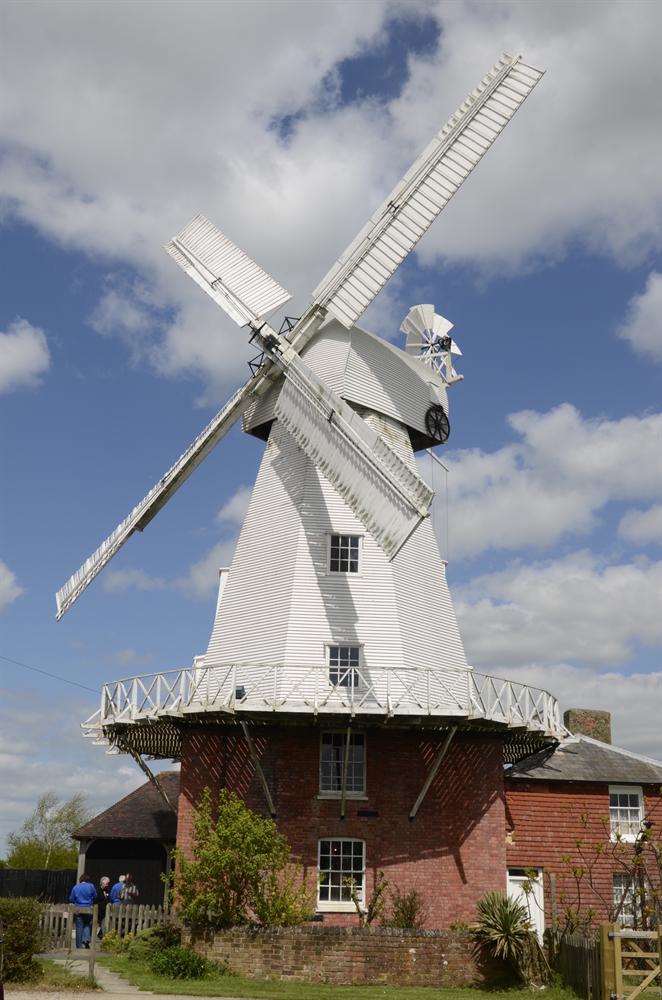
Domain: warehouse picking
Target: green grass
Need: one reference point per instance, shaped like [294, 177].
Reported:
[54, 978]
[234, 986]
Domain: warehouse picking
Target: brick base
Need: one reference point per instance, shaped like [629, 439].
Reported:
[451, 854]
[351, 956]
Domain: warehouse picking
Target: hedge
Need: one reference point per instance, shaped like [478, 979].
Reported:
[23, 938]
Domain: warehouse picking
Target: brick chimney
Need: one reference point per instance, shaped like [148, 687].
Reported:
[589, 722]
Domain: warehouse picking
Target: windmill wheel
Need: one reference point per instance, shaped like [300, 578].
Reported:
[436, 424]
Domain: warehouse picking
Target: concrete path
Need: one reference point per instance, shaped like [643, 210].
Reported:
[110, 982]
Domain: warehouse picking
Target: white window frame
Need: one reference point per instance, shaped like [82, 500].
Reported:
[343, 572]
[626, 838]
[329, 794]
[339, 905]
[328, 646]
[631, 902]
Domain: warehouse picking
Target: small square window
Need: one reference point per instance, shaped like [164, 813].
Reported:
[332, 755]
[626, 811]
[344, 553]
[344, 666]
[341, 873]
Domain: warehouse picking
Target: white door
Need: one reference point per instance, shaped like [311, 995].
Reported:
[525, 885]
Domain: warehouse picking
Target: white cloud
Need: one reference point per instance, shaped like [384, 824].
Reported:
[201, 581]
[633, 700]
[234, 510]
[643, 325]
[641, 526]
[10, 588]
[553, 482]
[141, 154]
[117, 580]
[24, 356]
[569, 609]
[129, 657]
[42, 749]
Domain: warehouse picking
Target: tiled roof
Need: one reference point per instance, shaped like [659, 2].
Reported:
[141, 815]
[582, 758]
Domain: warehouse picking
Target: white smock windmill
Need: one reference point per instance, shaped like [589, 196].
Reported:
[336, 601]
[371, 476]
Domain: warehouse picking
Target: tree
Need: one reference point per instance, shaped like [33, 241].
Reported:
[44, 840]
[239, 872]
[639, 864]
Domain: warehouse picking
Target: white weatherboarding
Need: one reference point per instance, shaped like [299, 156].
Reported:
[343, 413]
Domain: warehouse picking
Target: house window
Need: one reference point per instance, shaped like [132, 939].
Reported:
[625, 900]
[343, 665]
[332, 753]
[341, 873]
[626, 811]
[344, 553]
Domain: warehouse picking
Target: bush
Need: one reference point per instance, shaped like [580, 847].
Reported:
[115, 944]
[239, 870]
[179, 963]
[147, 943]
[407, 911]
[505, 932]
[23, 938]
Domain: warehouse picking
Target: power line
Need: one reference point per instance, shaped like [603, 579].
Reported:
[46, 673]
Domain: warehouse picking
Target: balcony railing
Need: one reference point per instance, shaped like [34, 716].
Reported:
[269, 687]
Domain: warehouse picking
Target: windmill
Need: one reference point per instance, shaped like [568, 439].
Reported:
[342, 433]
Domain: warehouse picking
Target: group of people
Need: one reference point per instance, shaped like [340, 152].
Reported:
[85, 893]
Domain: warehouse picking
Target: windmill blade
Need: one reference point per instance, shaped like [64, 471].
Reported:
[157, 497]
[240, 286]
[397, 226]
[386, 495]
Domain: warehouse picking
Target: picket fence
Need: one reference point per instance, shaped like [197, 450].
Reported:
[57, 922]
[579, 964]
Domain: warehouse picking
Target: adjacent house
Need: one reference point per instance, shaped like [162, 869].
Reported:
[561, 805]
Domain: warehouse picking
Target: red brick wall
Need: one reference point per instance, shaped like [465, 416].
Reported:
[348, 955]
[544, 822]
[452, 853]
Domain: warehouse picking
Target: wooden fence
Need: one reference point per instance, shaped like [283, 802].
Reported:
[128, 918]
[58, 930]
[579, 965]
[50, 884]
[619, 964]
[632, 961]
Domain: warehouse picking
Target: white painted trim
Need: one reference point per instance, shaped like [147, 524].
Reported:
[627, 838]
[338, 906]
[344, 573]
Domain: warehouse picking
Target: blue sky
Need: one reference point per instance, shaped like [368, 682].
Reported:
[547, 262]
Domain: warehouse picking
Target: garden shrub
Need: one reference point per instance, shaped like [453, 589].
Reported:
[23, 938]
[147, 943]
[505, 932]
[115, 944]
[407, 910]
[179, 963]
[239, 870]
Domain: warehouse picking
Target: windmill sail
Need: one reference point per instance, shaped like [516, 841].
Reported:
[240, 286]
[397, 226]
[386, 495]
[150, 505]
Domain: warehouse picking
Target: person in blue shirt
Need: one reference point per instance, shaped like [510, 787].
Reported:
[83, 894]
[117, 892]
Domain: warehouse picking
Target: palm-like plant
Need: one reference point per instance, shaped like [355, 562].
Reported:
[505, 932]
